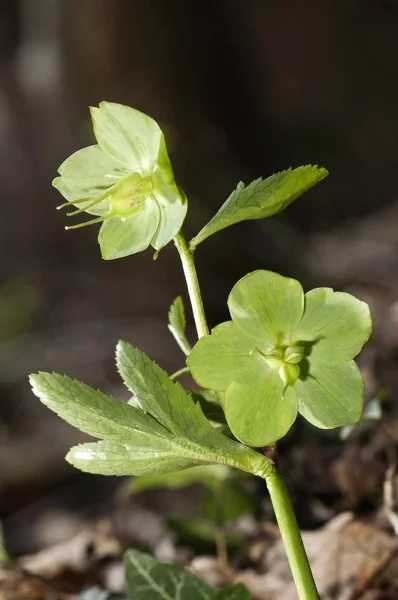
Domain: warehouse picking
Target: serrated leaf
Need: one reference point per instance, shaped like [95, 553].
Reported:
[93, 411]
[147, 579]
[169, 434]
[111, 458]
[169, 403]
[177, 324]
[261, 198]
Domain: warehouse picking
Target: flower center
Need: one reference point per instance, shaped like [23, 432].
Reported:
[129, 195]
[286, 360]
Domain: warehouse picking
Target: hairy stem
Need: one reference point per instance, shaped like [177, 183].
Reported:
[291, 537]
[191, 278]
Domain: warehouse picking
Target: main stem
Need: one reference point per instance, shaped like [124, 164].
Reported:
[291, 537]
[191, 277]
[279, 495]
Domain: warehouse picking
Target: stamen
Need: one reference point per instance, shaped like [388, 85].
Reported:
[72, 202]
[81, 210]
[92, 222]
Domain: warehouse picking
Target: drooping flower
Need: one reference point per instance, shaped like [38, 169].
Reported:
[126, 181]
[284, 352]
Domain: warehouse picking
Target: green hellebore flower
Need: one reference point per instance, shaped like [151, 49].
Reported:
[126, 181]
[284, 352]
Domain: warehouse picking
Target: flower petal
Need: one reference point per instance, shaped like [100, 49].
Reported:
[331, 395]
[89, 173]
[267, 306]
[129, 136]
[122, 237]
[336, 322]
[257, 411]
[218, 359]
[173, 207]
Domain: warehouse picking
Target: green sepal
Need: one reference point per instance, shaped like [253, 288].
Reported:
[261, 198]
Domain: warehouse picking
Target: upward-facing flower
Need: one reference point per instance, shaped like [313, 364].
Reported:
[284, 352]
[126, 181]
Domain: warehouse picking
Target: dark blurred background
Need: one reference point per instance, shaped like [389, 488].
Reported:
[242, 89]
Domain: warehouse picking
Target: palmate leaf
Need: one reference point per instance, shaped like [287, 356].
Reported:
[147, 579]
[261, 198]
[165, 432]
[177, 324]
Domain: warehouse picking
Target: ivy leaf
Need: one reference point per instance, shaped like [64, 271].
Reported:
[147, 579]
[237, 592]
[261, 198]
[177, 325]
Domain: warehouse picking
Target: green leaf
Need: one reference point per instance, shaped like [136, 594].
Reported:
[173, 408]
[89, 173]
[127, 135]
[147, 579]
[154, 456]
[337, 323]
[267, 307]
[92, 411]
[236, 592]
[261, 198]
[122, 237]
[158, 395]
[258, 411]
[210, 405]
[177, 324]
[171, 434]
[331, 395]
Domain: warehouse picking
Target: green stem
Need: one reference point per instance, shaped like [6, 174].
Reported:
[191, 278]
[280, 499]
[291, 537]
[179, 373]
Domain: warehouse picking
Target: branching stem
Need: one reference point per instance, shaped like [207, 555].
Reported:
[284, 512]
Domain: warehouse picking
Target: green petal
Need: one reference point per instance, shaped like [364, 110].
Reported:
[129, 136]
[257, 412]
[122, 237]
[88, 173]
[331, 395]
[218, 359]
[339, 324]
[173, 208]
[267, 306]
